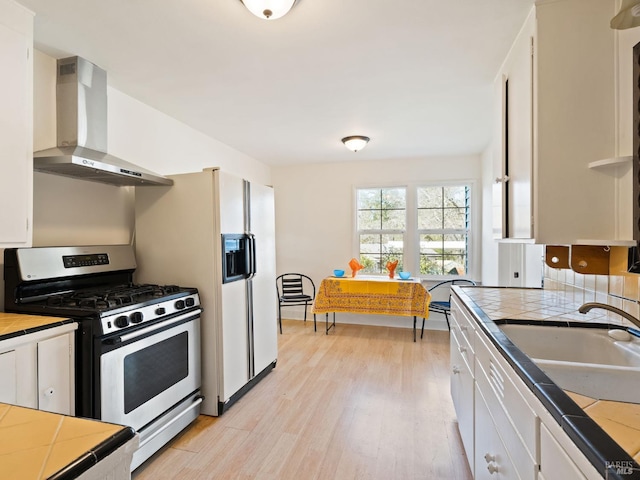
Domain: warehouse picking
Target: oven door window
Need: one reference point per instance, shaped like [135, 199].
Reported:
[154, 369]
[146, 376]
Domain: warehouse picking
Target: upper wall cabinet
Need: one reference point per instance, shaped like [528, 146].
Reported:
[556, 96]
[16, 125]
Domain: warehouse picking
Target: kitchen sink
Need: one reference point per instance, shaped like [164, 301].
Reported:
[582, 360]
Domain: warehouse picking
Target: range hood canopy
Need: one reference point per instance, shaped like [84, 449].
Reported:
[81, 104]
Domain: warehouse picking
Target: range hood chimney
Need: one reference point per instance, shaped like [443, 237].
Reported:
[81, 103]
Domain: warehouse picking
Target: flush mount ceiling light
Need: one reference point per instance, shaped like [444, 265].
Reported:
[355, 142]
[628, 16]
[269, 9]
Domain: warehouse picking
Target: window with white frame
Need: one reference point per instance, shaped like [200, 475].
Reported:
[425, 228]
[382, 220]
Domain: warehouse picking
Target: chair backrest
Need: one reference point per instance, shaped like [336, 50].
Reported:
[293, 284]
[447, 284]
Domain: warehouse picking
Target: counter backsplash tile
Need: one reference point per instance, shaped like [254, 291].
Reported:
[589, 282]
[621, 291]
[630, 289]
[616, 285]
[602, 284]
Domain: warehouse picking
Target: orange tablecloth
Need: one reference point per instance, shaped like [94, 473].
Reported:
[381, 296]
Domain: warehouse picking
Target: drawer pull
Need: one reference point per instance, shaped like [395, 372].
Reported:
[489, 458]
[493, 468]
[464, 328]
[462, 349]
[455, 369]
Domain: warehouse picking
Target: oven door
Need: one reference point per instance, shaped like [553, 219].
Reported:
[146, 372]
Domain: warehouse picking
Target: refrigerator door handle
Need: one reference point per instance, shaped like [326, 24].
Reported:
[251, 371]
[251, 255]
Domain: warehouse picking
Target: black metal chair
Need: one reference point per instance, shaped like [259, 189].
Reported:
[295, 289]
[441, 306]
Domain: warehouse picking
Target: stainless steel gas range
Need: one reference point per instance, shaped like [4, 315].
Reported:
[137, 346]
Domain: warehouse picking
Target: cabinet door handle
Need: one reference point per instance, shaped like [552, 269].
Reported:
[493, 468]
[462, 349]
[489, 458]
[464, 328]
[455, 369]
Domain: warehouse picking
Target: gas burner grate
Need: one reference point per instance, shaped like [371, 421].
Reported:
[103, 299]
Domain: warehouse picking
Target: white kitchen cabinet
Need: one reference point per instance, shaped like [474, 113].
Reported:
[55, 365]
[511, 416]
[554, 461]
[492, 462]
[37, 370]
[462, 393]
[8, 376]
[16, 124]
[513, 163]
[556, 96]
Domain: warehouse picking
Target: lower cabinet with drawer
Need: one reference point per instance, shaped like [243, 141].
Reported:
[513, 419]
[499, 429]
[491, 459]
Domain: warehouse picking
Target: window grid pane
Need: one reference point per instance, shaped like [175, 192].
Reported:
[377, 250]
[382, 208]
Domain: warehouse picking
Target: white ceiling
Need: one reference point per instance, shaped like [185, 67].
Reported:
[414, 75]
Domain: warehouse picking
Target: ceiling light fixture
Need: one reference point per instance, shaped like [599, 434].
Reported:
[269, 9]
[355, 142]
[628, 16]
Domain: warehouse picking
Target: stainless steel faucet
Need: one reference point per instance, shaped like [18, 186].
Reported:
[588, 306]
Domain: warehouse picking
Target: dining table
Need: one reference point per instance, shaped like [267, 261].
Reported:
[372, 295]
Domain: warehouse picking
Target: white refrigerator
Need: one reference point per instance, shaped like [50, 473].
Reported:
[216, 232]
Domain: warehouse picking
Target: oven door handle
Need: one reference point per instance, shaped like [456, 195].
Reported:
[157, 326]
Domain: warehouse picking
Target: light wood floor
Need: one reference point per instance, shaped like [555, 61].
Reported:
[361, 403]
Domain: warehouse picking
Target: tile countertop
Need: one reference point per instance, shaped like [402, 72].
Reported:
[16, 324]
[620, 421]
[42, 445]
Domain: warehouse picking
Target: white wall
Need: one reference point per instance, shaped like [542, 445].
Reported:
[78, 212]
[315, 212]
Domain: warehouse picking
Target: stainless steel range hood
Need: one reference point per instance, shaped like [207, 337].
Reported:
[81, 101]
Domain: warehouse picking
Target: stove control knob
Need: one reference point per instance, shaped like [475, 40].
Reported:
[179, 304]
[160, 311]
[136, 317]
[121, 321]
[190, 302]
